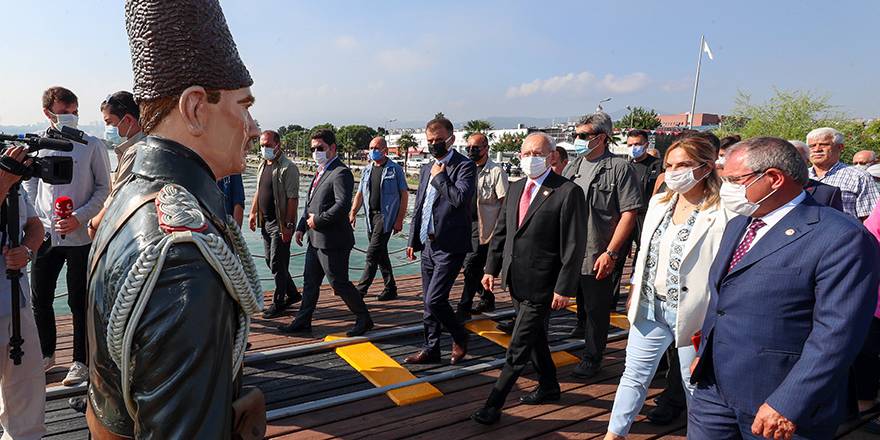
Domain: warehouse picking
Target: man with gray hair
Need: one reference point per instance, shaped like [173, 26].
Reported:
[614, 197]
[859, 194]
[787, 312]
[537, 249]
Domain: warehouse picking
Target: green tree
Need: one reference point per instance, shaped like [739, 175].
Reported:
[381, 131]
[404, 143]
[509, 142]
[352, 138]
[788, 115]
[639, 117]
[477, 126]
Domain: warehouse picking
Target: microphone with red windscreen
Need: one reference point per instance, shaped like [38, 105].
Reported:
[63, 209]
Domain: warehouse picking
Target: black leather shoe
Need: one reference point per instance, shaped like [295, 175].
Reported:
[387, 295]
[663, 414]
[463, 315]
[361, 326]
[274, 311]
[873, 426]
[486, 304]
[579, 332]
[77, 404]
[540, 396]
[486, 415]
[506, 326]
[296, 327]
[586, 369]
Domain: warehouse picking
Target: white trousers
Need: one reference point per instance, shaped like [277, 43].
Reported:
[23, 386]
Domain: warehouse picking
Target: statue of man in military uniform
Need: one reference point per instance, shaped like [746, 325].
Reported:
[171, 283]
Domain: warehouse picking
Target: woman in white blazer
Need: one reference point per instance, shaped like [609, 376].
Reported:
[669, 297]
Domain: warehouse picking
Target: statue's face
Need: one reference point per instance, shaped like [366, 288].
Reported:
[229, 131]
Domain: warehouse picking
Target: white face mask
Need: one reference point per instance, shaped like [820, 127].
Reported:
[534, 166]
[268, 153]
[684, 180]
[861, 167]
[733, 197]
[66, 120]
[320, 157]
[720, 161]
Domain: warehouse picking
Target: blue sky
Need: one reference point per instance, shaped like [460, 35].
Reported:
[367, 62]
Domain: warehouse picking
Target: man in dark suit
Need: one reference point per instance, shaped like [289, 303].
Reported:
[331, 238]
[789, 309]
[538, 248]
[441, 230]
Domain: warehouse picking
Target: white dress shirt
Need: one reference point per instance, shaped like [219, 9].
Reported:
[538, 182]
[773, 217]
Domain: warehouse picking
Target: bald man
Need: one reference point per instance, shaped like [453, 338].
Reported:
[863, 159]
[383, 195]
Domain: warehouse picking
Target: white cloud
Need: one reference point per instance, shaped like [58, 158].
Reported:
[679, 85]
[580, 83]
[403, 60]
[346, 42]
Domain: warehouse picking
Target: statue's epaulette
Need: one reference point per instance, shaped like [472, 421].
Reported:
[179, 210]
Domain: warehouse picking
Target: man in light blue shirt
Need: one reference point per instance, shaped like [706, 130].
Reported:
[23, 386]
[67, 239]
[383, 194]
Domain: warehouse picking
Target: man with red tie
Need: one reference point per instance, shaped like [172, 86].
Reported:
[537, 248]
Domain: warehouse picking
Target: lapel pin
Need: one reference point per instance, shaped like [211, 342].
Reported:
[789, 232]
[546, 193]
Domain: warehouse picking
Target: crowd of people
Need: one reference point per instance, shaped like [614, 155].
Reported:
[754, 278]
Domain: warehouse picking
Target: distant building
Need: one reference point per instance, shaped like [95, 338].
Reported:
[681, 120]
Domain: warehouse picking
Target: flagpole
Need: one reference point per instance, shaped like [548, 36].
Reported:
[696, 83]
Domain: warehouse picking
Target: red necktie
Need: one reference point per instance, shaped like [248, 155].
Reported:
[524, 201]
[743, 247]
[315, 183]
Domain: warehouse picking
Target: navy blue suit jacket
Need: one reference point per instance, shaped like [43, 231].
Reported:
[825, 194]
[785, 324]
[452, 207]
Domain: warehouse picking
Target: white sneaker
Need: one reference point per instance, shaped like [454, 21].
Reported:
[77, 374]
[48, 362]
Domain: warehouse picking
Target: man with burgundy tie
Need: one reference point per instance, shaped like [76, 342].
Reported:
[790, 305]
[331, 238]
[537, 248]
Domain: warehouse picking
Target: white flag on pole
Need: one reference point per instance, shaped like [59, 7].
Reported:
[707, 50]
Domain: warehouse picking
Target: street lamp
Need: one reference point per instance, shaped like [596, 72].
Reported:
[599, 106]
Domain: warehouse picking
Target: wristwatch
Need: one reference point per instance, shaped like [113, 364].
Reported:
[289, 225]
[30, 253]
[612, 254]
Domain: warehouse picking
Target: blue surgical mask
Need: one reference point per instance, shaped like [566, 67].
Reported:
[376, 155]
[638, 150]
[582, 147]
[66, 120]
[111, 135]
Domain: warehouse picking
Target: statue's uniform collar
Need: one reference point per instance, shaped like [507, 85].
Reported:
[168, 161]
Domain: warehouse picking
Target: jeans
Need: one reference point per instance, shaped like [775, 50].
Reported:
[278, 260]
[377, 256]
[647, 342]
[44, 278]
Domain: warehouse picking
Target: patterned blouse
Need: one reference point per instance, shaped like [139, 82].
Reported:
[673, 280]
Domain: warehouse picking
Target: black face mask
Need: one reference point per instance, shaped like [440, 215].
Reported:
[475, 154]
[438, 150]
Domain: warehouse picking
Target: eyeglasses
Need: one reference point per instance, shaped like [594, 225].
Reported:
[585, 136]
[737, 180]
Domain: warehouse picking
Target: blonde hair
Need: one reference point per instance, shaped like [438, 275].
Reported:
[703, 153]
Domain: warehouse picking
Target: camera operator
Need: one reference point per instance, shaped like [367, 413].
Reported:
[22, 387]
[66, 239]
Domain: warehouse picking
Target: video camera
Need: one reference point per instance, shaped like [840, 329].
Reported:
[55, 170]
